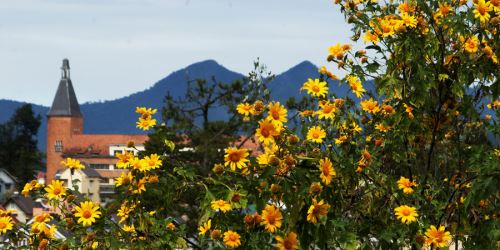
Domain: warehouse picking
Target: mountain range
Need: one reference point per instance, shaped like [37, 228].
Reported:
[118, 116]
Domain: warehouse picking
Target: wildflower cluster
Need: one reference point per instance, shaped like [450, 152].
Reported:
[403, 160]
[146, 120]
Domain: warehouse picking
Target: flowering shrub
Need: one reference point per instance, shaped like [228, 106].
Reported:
[413, 164]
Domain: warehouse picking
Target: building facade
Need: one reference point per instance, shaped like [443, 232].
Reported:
[66, 138]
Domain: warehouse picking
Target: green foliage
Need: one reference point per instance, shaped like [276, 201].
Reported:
[18, 151]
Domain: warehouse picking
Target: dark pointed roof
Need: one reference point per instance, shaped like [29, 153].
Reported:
[65, 102]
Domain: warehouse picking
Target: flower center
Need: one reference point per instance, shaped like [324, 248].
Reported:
[481, 9]
[327, 109]
[233, 237]
[326, 171]
[406, 212]
[234, 157]
[315, 134]
[87, 214]
[315, 88]
[57, 190]
[271, 219]
[265, 132]
[275, 114]
[2, 225]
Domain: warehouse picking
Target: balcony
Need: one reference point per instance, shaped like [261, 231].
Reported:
[107, 188]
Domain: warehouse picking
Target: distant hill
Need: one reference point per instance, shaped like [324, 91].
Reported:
[117, 116]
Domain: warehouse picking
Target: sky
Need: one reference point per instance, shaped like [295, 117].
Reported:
[119, 47]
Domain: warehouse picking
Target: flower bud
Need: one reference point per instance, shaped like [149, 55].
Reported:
[236, 198]
[258, 107]
[290, 161]
[43, 244]
[218, 169]
[215, 234]
[275, 188]
[274, 161]
[293, 139]
[315, 188]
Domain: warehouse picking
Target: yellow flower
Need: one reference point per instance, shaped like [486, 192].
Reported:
[495, 5]
[271, 218]
[406, 214]
[39, 222]
[444, 9]
[221, 205]
[387, 27]
[355, 127]
[409, 110]
[356, 86]
[472, 44]
[140, 186]
[327, 110]
[306, 113]
[406, 7]
[315, 87]
[409, 20]
[481, 10]
[245, 109]
[205, 227]
[488, 51]
[316, 134]
[277, 113]
[6, 224]
[269, 151]
[145, 112]
[336, 51]
[55, 190]
[370, 37]
[124, 159]
[145, 124]
[129, 229]
[370, 106]
[171, 226]
[267, 131]
[124, 211]
[382, 127]
[72, 164]
[327, 171]
[236, 158]
[406, 185]
[340, 140]
[493, 104]
[48, 231]
[30, 186]
[387, 110]
[87, 212]
[151, 162]
[437, 237]
[232, 239]
[124, 180]
[317, 210]
[326, 72]
[287, 243]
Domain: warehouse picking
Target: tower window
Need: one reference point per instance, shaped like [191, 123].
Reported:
[58, 146]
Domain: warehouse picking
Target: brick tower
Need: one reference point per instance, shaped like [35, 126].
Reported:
[64, 121]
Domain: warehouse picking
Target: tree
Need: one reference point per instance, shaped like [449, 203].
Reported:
[18, 144]
[202, 124]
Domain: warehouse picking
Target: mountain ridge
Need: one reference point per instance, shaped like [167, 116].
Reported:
[118, 116]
